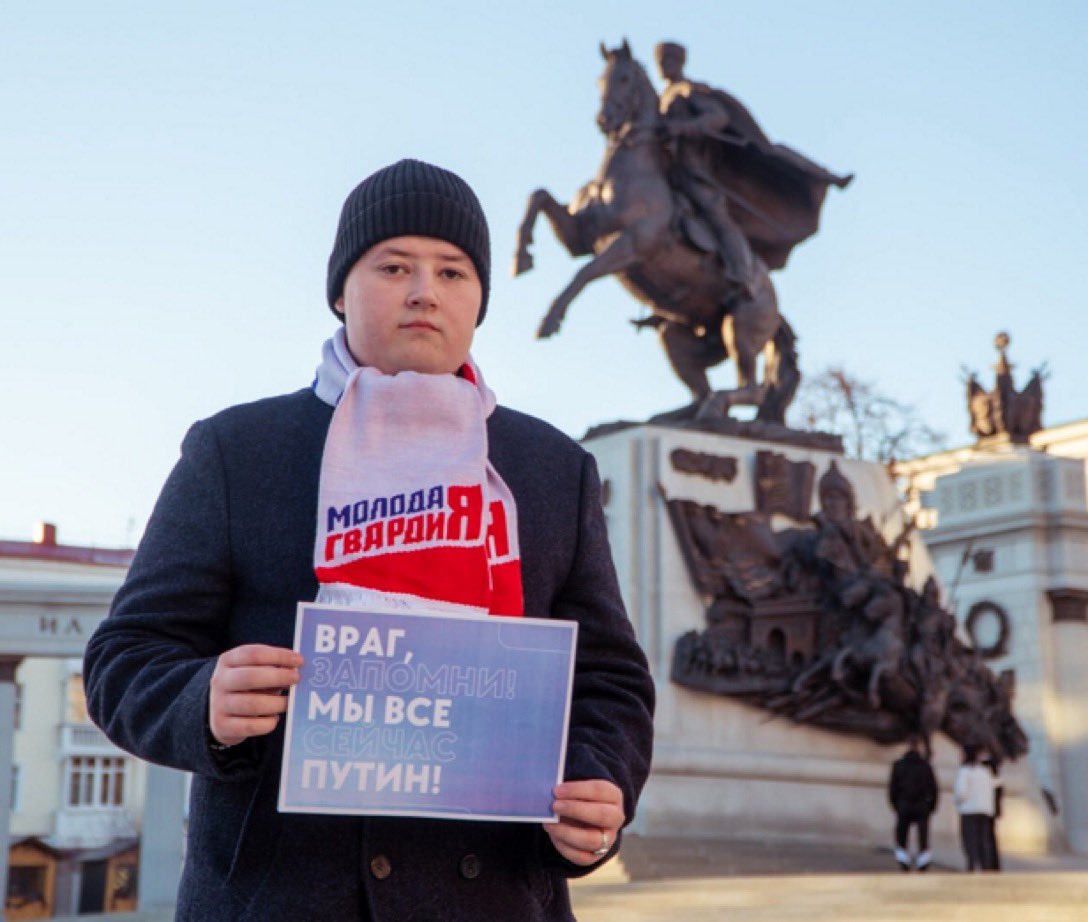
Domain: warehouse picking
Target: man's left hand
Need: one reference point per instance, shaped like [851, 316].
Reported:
[590, 817]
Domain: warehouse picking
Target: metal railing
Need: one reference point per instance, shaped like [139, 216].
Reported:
[86, 739]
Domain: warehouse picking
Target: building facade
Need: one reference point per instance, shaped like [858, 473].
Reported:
[1007, 527]
[76, 799]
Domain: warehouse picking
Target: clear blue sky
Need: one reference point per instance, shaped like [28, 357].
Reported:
[171, 175]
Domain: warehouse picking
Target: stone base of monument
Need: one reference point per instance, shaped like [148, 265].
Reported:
[735, 755]
[745, 780]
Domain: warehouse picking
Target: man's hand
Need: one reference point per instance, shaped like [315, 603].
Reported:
[247, 691]
[590, 817]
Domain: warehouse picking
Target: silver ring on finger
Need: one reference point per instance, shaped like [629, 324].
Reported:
[605, 845]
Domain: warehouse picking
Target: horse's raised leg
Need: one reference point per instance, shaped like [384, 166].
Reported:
[523, 259]
[565, 225]
[617, 256]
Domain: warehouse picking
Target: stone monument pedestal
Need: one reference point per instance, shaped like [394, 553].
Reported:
[722, 767]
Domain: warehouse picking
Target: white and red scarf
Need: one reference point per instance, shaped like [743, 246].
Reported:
[411, 515]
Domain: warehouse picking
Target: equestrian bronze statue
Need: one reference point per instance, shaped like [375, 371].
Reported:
[691, 208]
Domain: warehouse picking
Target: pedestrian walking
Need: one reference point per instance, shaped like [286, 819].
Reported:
[974, 792]
[912, 791]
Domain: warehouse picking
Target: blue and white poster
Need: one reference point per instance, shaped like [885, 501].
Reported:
[443, 716]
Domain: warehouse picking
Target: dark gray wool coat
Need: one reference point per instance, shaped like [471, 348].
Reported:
[226, 557]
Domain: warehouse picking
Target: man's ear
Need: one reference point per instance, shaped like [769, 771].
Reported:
[339, 305]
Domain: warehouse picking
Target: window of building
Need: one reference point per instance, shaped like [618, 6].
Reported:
[18, 705]
[96, 781]
[14, 788]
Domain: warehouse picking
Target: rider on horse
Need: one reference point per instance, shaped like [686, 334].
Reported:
[694, 119]
[760, 199]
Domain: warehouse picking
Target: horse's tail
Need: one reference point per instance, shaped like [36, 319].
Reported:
[782, 374]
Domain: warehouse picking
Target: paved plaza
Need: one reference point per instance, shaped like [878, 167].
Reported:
[1019, 896]
[693, 879]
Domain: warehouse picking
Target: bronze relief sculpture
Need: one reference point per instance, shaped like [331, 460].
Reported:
[817, 623]
[691, 208]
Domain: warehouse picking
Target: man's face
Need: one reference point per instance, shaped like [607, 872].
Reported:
[670, 64]
[410, 304]
[836, 506]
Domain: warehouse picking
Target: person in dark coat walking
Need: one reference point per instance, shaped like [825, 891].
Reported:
[263, 511]
[912, 790]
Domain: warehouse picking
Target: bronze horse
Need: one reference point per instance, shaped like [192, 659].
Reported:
[631, 219]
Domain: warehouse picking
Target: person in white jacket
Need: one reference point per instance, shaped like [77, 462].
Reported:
[974, 793]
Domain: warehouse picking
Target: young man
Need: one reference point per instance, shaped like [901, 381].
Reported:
[912, 790]
[974, 791]
[190, 668]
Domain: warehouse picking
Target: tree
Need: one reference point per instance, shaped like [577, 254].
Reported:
[873, 425]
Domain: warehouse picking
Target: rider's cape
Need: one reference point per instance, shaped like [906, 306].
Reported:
[775, 193]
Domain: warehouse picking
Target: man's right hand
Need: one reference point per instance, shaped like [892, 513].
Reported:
[248, 691]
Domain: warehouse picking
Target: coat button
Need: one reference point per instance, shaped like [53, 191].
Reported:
[380, 867]
[470, 867]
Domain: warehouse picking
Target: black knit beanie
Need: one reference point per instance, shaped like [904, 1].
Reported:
[410, 198]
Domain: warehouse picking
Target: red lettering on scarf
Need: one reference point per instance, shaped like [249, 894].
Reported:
[466, 507]
[498, 539]
[461, 523]
[413, 534]
[436, 526]
[375, 540]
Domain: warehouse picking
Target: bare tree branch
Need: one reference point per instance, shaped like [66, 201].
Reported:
[873, 425]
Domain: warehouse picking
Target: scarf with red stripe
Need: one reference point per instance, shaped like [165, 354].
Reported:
[411, 515]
